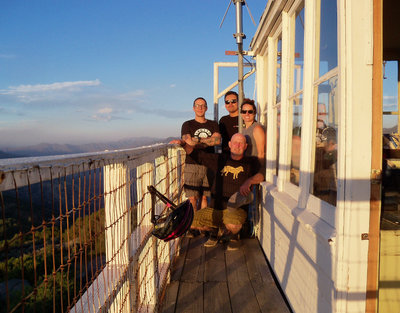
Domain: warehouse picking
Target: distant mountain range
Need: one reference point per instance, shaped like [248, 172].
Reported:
[45, 149]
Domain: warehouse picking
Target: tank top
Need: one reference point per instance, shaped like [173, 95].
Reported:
[251, 143]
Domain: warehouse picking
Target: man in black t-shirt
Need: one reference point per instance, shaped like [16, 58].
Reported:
[202, 134]
[228, 124]
[231, 189]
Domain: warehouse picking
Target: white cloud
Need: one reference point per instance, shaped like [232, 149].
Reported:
[105, 110]
[7, 56]
[21, 89]
[105, 115]
[172, 85]
[132, 95]
[55, 92]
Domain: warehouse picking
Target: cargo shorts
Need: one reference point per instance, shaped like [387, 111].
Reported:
[234, 213]
[195, 179]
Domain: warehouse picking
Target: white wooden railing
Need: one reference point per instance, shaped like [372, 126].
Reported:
[76, 230]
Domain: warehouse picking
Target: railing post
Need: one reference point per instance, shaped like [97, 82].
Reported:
[117, 234]
[144, 290]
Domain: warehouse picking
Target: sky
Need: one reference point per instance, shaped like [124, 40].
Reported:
[83, 71]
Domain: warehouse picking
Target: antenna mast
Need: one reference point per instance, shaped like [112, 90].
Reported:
[239, 40]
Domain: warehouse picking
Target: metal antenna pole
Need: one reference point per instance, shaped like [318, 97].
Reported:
[239, 40]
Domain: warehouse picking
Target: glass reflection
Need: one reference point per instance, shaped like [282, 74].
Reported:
[278, 129]
[299, 52]
[325, 172]
[296, 140]
[278, 71]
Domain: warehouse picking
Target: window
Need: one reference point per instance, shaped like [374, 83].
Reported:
[328, 59]
[326, 101]
[296, 98]
[390, 97]
[325, 170]
[278, 99]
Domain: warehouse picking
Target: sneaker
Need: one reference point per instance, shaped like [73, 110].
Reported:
[211, 242]
[191, 233]
[233, 244]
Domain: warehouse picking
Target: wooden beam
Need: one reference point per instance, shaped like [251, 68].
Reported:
[376, 162]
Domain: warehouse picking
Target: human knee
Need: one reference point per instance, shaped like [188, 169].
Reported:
[233, 228]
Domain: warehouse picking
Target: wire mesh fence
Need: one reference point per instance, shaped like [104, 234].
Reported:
[76, 232]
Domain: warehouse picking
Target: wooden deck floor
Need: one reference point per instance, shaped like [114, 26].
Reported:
[215, 280]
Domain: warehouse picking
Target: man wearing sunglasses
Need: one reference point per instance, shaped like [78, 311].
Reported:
[229, 124]
[202, 134]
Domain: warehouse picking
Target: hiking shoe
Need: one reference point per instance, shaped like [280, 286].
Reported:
[211, 242]
[191, 233]
[233, 245]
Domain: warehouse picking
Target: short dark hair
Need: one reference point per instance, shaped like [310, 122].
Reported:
[249, 101]
[231, 92]
[198, 98]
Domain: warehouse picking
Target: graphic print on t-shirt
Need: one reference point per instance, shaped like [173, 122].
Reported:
[202, 133]
[230, 169]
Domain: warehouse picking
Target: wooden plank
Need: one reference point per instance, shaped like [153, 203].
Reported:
[371, 304]
[193, 270]
[216, 297]
[179, 261]
[170, 298]
[190, 298]
[236, 265]
[214, 269]
[241, 292]
[267, 293]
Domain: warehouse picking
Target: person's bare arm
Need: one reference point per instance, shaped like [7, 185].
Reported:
[214, 140]
[188, 139]
[255, 179]
[259, 137]
[183, 144]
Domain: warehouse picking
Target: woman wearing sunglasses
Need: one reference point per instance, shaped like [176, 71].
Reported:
[254, 131]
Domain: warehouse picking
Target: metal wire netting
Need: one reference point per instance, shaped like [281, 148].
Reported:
[77, 236]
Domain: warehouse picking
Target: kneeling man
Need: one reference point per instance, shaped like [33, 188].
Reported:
[234, 174]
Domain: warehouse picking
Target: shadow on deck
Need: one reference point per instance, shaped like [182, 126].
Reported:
[215, 280]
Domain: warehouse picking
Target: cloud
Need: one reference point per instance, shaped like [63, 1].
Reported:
[7, 56]
[47, 93]
[105, 110]
[167, 113]
[24, 89]
[172, 85]
[132, 95]
[105, 115]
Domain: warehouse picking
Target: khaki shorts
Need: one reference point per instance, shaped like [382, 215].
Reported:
[195, 179]
[209, 217]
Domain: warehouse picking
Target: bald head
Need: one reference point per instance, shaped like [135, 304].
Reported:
[237, 146]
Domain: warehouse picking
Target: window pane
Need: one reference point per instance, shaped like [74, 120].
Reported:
[390, 97]
[297, 104]
[278, 71]
[328, 59]
[278, 129]
[325, 178]
[299, 52]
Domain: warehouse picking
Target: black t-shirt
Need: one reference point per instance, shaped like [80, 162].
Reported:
[228, 174]
[199, 130]
[228, 126]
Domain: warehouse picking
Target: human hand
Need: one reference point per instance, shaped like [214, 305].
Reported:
[245, 188]
[175, 142]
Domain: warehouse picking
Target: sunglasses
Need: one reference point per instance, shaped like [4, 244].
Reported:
[230, 101]
[247, 111]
